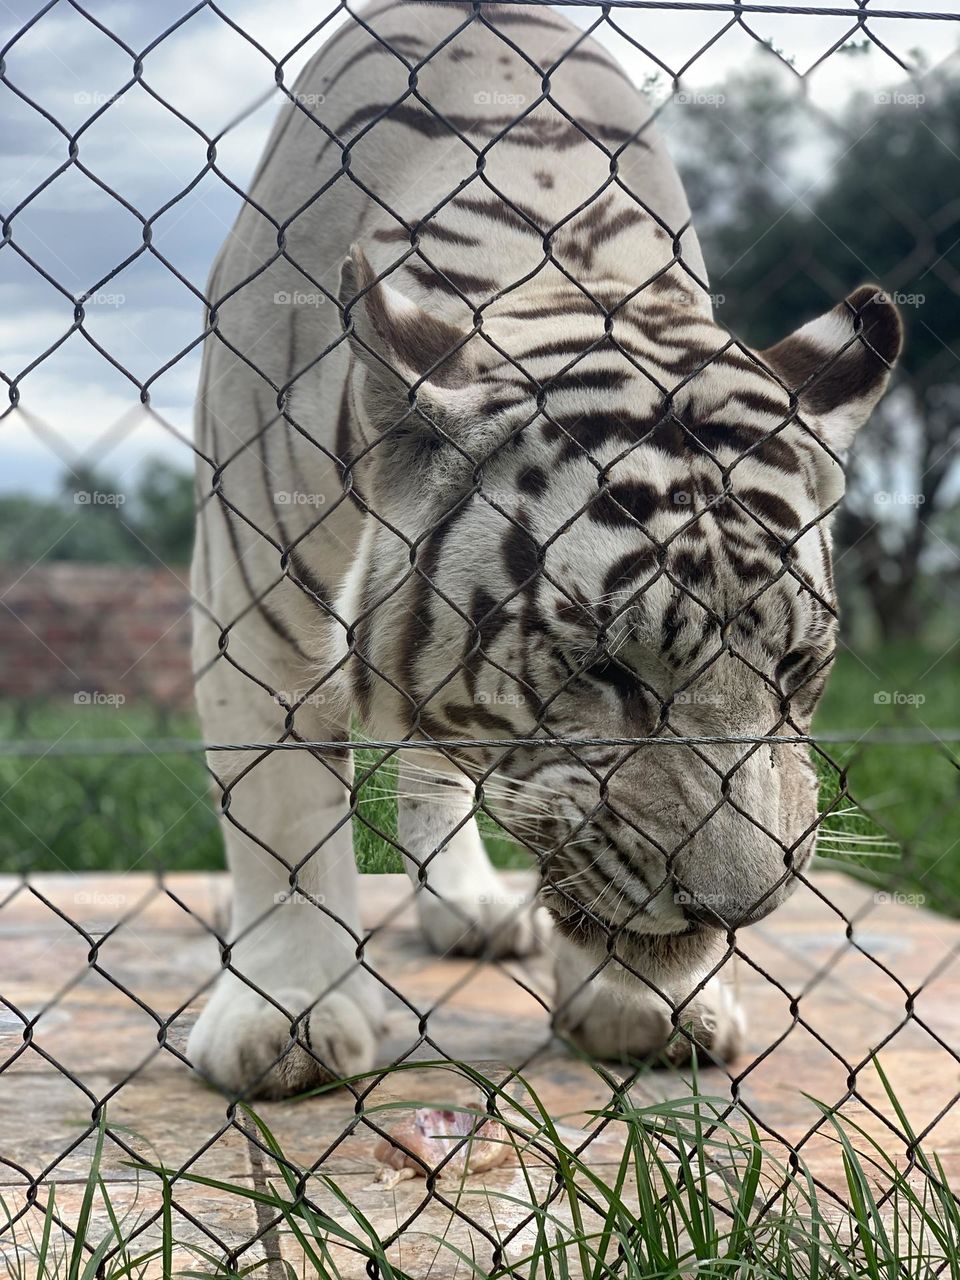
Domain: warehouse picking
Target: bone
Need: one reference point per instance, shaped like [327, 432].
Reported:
[432, 1134]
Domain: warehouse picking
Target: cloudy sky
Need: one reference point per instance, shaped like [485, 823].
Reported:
[74, 403]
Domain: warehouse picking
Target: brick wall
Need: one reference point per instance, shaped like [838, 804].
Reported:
[68, 629]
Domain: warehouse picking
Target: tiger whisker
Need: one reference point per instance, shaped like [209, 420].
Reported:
[853, 853]
[487, 793]
[510, 783]
[516, 819]
[578, 875]
[851, 837]
[844, 861]
[878, 851]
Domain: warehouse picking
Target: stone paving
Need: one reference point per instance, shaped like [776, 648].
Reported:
[95, 982]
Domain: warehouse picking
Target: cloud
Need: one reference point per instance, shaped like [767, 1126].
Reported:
[212, 76]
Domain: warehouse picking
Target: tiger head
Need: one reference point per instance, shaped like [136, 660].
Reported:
[607, 520]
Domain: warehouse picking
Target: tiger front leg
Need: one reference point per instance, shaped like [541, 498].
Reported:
[615, 1015]
[464, 904]
[292, 1005]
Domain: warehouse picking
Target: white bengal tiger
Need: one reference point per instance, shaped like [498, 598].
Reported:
[533, 489]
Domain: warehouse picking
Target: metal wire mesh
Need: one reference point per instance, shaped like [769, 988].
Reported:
[495, 763]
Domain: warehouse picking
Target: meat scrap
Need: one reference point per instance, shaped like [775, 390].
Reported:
[432, 1134]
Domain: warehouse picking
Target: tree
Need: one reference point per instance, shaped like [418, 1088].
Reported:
[165, 509]
[94, 520]
[878, 205]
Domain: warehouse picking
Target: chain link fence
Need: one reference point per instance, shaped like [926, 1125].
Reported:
[593, 616]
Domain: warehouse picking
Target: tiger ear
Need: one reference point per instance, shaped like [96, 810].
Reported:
[418, 370]
[839, 364]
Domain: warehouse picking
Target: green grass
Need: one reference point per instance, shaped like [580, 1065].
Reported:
[909, 794]
[128, 808]
[132, 807]
[110, 797]
[696, 1193]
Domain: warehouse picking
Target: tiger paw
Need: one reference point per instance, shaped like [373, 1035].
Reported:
[622, 1019]
[496, 923]
[248, 1047]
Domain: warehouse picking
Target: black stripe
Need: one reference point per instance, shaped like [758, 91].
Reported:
[591, 431]
[400, 235]
[343, 436]
[623, 573]
[557, 134]
[464, 717]
[692, 439]
[692, 569]
[532, 481]
[770, 508]
[572, 346]
[272, 620]
[520, 553]
[762, 403]
[453, 282]
[362, 670]
[308, 577]
[579, 378]
[418, 622]
[500, 16]
[625, 505]
[597, 58]
[498, 210]
[603, 232]
[404, 43]
[488, 621]
[582, 379]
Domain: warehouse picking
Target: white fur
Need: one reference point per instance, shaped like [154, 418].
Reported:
[297, 1004]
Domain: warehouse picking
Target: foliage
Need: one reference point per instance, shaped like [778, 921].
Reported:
[795, 209]
[94, 520]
